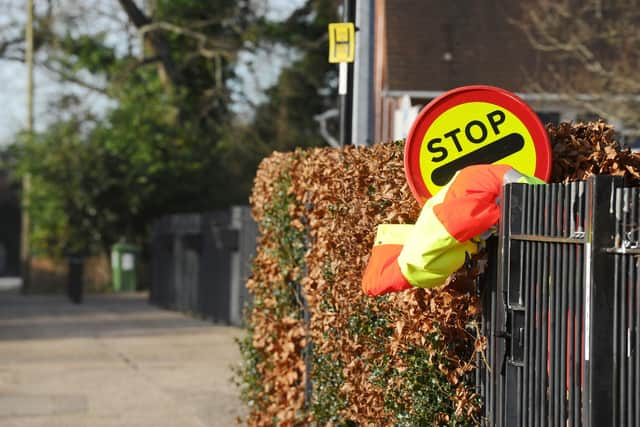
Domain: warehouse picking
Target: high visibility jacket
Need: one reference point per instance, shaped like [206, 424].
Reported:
[450, 227]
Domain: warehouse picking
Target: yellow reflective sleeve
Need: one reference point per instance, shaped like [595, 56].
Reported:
[393, 234]
[530, 180]
[431, 254]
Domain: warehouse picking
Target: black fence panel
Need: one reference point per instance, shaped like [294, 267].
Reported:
[246, 230]
[200, 263]
[562, 307]
[161, 290]
[218, 242]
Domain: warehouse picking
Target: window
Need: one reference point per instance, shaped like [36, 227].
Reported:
[549, 117]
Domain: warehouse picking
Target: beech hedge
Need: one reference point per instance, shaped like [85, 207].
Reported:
[320, 352]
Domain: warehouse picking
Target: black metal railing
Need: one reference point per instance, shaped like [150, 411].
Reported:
[561, 304]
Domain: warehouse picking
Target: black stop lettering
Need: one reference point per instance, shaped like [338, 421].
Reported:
[471, 125]
[443, 153]
[496, 118]
[453, 134]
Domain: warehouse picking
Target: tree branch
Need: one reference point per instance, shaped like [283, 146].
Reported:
[13, 58]
[201, 37]
[69, 77]
[157, 41]
[7, 44]
[207, 47]
[135, 15]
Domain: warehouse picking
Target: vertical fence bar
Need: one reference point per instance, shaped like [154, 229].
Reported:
[544, 331]
[632, 343]
[579, 317]
[569, 265]
[573, 187]
[627, 304]
[630, 309]
[543, 260]
[617, 326]
[559, 353]
[617, 344]
[530, 309]
[564, 284]
[529, 326]
[544, 360]
[553, 211]
[623, 312]
[577, 337]
[538, 316]
[564, 334]
[562, 316]
[546, 209]
[566, 209]
[528, 206]
[540, 309]
[636, 382]
[551, 336]
[559, 286]
[580, 211]
[571, 331]
[527, 286]
[551, 313]
[538, 208]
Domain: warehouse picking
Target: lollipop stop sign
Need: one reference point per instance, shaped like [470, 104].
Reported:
[469, 126]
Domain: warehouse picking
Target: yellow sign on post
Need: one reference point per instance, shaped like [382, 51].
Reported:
[342, 42]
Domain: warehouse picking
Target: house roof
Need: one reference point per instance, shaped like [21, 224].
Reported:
[435, 45]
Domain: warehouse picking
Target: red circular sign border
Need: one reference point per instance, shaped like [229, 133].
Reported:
[461, 95]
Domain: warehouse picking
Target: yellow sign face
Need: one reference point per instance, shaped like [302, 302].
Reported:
[342, 42]
[474, 133]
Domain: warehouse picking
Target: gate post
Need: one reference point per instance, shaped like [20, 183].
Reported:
[512, 309]
[599, 301]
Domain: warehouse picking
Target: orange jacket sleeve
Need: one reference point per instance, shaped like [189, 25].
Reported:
[445, 232]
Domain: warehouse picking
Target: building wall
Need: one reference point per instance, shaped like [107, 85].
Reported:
[428, 47]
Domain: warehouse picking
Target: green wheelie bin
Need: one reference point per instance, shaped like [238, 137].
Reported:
[124, 259]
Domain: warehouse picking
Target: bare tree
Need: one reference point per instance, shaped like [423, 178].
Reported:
[591, 51]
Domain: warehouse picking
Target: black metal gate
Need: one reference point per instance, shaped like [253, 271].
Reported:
[562, 307]
[626, 308]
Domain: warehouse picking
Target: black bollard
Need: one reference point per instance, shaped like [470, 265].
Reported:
[75, 282]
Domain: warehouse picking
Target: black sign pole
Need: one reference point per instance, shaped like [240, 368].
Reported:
[346, 100]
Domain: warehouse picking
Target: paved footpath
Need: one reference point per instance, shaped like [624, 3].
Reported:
[112, 361]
